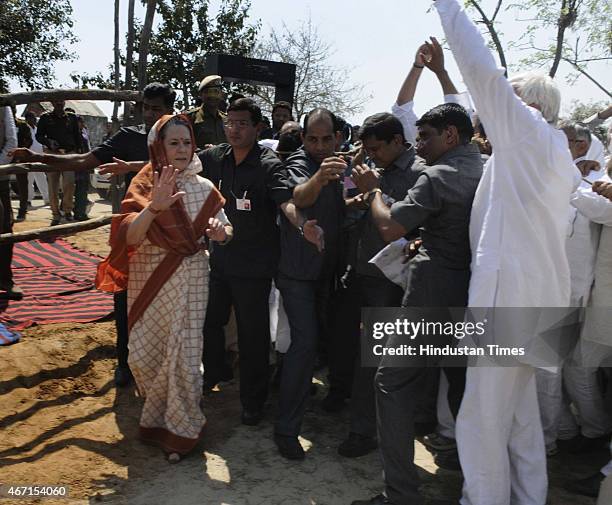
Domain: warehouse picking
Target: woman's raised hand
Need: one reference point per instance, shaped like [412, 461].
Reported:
[163, 195]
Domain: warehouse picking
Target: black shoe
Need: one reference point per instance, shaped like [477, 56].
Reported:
[55, 221]
[581, 444]
[123, 376]
[587, 487]
[333, 402]
[21, 216]
[357, 445]
[80, 217]
[11, 291]
[289, 447]
[448, 460]
[379, 499]
[68, 216]
[252, 417]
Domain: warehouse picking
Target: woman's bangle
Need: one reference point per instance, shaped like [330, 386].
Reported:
[152, 210]
[418, 66]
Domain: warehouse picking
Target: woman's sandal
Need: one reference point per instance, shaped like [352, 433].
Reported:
[173, 457]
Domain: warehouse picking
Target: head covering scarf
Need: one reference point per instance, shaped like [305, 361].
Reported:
[172, 230]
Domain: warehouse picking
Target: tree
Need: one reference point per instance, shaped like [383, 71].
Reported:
[117, 54]
[33, 36]
[318, 83]
[129, 58]
[577, 32]
[581, 111]
[187, 32]
[143, 48]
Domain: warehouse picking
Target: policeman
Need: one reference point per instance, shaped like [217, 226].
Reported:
[207, 119]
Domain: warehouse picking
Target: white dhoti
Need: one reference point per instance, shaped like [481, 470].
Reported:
[499, 437]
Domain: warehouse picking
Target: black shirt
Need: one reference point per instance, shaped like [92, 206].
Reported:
[128, 144]
[299, 258]
[254, 250]
[62, 129]
[395, 181]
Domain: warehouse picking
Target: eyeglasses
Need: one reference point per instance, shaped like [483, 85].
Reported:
[240, 123]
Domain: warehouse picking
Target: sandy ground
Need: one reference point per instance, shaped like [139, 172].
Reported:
[63, 422]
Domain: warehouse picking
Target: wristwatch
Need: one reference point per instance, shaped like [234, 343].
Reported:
[372, 193]
[301, 229]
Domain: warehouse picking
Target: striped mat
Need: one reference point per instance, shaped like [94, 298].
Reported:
[58, 283]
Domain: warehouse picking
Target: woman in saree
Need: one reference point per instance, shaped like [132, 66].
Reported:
[158, 252]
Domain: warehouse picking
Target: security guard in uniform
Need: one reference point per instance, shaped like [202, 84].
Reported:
[207, 120]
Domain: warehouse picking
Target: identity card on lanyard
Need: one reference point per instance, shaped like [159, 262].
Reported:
[243, 203]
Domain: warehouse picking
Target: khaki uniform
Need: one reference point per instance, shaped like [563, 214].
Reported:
[208, 129]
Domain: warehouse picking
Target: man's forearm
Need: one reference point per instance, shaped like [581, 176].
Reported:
[388, 228]
[71, 162]
[409, 86]
[448, 88]
[292, 213]
[306, 194]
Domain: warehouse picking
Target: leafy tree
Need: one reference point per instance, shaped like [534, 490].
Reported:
[187, 32]
[33, 36]
[581, 111]
[577, 32]
[318, 83]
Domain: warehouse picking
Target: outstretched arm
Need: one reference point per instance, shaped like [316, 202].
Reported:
[403, 108]
[506, 117]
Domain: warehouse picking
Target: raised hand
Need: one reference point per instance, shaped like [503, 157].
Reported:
[586, 166]
[314, 234]
[216, 230]
[423, 55]
[365, 178]
[435, 59]
[117, 167]
[331, 169]
[163, 195]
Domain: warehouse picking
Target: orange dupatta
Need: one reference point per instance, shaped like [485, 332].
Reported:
[172, 230]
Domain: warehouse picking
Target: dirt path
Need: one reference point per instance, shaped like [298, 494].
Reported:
[63, 422]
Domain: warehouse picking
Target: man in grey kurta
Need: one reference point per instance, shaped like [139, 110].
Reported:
[439, 205]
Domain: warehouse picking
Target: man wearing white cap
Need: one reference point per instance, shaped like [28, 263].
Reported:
[207, 119]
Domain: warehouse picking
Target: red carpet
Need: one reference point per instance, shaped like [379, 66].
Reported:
[58, 282]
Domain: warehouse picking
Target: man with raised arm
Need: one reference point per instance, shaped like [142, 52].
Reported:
[430, 55]
[517, 233]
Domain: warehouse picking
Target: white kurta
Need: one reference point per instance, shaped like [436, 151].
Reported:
[405, 113]
[517, 233]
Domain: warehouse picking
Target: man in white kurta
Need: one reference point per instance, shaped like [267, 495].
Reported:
[517, 233]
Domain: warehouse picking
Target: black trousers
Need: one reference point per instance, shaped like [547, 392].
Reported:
[121, 325]
[373, 292]
[6, 226]
[250, 299]
[22, 190]
[400, 394]
[306, 304]
[344, 337]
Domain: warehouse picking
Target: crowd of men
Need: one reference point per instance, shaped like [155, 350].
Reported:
[498, 206]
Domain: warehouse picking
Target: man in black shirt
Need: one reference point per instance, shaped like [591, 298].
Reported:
[58, 131]
[383, 140]
[313, 175]
[125, 151]
[241, 272]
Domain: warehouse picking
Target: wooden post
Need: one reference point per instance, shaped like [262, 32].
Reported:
[50, 95]
[61, 230]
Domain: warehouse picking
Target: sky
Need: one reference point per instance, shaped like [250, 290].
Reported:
[376, 40]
